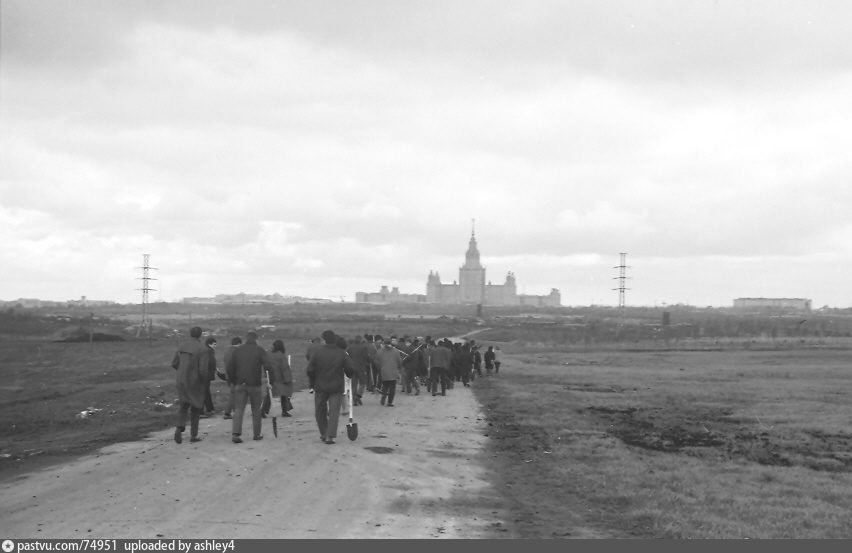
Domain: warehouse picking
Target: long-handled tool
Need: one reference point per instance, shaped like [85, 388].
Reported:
[351, 427]
[271, 407]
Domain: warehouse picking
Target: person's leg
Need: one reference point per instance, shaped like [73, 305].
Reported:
[256, 398]
[266, 404]
[334, 403]
[180, 425]
[321, 412]
[414, 382]
[240, 400]
[194, 415]
[391, 391]
[229, 408]
[207, 406]
[360, 390]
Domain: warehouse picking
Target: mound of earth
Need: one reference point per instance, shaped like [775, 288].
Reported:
[82, 334]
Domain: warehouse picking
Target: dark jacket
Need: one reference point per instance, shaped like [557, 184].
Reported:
[327, 367]
[362, 355]
[282, 378]
[412, 361]
[246, 365]
[439, 356]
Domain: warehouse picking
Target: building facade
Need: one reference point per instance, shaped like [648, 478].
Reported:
[470, 288]
[799, 304]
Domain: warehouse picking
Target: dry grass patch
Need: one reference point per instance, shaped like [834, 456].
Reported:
[724, 444]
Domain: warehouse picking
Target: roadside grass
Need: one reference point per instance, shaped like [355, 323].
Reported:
[63, 399]
[717, 444]
[723, 443]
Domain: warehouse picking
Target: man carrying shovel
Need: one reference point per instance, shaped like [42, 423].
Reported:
[327, 369]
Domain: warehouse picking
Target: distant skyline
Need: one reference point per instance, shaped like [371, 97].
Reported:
[318, 149]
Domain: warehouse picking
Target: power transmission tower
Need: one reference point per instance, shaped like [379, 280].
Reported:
[146, 287]
[622, 279]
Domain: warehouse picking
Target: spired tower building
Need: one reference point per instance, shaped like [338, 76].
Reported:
[472, 275]
[472, 288]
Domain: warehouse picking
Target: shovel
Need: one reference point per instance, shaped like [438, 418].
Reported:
[351, 427]
[271, 407]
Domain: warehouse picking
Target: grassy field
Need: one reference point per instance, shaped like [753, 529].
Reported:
[674, 444]
[689, 440]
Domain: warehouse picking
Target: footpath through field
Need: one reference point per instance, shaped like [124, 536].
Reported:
[415, 471]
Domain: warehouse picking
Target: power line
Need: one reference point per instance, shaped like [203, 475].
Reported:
[146, 279]
[622, 279]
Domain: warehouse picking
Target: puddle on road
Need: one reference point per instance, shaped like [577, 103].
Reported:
[379, 449]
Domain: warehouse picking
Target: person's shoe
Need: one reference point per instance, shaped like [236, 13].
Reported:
[383, 399]
[178, 437]
[390, 404]
[433, 395]
[322, 439]
[329, 441]
[258, 437]
[286, 414]
[195, 439]
[443, 393]
[263, 415]
[237, 440]
[228, 417]
[417, 393]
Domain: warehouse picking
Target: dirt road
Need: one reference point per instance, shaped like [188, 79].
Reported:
[415, 471]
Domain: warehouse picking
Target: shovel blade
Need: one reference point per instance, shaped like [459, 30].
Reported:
[352, 430]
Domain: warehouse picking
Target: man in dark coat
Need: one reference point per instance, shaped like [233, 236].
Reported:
[235, 343]
[327, 367]
[362, 355]
[210, 344]
[191, 361]
[245, 371]
[489, 359]
[439, 357]
[412, 358]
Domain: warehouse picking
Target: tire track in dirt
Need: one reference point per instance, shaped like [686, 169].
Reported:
[415, 471]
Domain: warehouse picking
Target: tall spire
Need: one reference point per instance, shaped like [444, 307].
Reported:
[472, 254]
[473, 228]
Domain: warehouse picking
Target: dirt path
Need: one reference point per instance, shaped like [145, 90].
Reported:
[415, 471]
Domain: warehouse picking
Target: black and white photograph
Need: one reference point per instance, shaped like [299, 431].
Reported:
[420, 269]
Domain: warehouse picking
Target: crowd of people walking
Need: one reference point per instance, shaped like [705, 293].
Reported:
[372, 364]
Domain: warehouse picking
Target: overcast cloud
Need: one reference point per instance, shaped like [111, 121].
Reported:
[322, 148]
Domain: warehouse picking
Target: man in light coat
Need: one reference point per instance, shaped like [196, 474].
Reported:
[191, 362]
[389, 361]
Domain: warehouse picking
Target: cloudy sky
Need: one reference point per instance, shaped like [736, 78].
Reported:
[319, 148]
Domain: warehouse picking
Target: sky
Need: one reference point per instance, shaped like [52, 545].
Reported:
[321, 148]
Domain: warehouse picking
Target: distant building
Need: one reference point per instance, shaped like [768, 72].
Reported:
[253, 299]
[799, 304]
[471, 288]
[388, 296]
